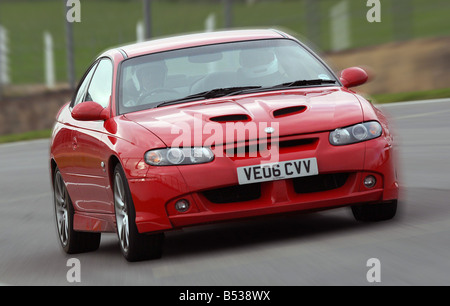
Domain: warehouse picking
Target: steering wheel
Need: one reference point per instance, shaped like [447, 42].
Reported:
[150, 93]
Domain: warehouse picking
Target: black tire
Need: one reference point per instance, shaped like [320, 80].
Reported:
[375, 212]
[72, 242]
[134, 245]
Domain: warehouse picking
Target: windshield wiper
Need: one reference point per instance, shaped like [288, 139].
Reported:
[232, 91]
[305, 83]
[209, 94]
[298, 83]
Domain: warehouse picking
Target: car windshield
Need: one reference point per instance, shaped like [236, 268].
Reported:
[217, 70]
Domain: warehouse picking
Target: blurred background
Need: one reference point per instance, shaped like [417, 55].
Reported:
[42, 55]
[42, 58]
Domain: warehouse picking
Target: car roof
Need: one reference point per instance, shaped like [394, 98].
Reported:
[197, 39]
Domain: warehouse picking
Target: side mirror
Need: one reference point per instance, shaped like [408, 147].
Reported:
[352, 77]
[90, 111]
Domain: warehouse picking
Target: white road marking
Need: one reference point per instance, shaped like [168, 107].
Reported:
[24, 142]
[408, 103]
[422, 114]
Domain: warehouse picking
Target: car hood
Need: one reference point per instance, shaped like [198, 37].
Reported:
[289, 112]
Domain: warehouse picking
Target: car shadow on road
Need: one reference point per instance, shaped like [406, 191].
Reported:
[248, 233]
[268, 230]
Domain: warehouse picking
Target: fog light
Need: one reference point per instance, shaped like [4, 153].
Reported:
[370, 181]
[182, 205]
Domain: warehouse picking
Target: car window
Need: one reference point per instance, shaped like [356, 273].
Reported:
[100, 87]
[81, 93]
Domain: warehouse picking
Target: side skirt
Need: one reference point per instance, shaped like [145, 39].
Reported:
[104, 223]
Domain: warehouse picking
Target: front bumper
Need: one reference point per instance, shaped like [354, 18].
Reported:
[214, 193]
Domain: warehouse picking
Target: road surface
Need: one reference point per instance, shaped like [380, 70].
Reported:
[326, 248]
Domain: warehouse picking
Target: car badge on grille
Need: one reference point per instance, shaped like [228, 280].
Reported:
[269, 130]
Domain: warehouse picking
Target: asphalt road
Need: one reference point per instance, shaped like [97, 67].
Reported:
[326, 248]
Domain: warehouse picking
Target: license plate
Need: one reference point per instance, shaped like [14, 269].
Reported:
[277, 171]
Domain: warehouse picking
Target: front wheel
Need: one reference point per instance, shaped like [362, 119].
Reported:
[375, 212]
[134, 245]
[71, 241]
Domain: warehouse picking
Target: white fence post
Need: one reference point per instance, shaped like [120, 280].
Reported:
[140, 32]
[210, 23]
[4, 63]
[340, 26]
[49, 61]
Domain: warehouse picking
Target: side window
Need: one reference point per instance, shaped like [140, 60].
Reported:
[101, 85]
[81, 93]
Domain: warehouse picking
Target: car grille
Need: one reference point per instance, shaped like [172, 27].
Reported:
[232, 194]
[318, 183]
[302, 185]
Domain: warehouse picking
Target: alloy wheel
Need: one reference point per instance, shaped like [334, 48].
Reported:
[121, 209]
[61, 209]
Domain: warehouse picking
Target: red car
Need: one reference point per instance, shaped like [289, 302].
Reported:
[209, 127]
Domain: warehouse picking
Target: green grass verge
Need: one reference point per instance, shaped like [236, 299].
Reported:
[412, 96]
[42, 134]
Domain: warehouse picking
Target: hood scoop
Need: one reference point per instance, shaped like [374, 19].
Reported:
[231, 118]
[287, 111]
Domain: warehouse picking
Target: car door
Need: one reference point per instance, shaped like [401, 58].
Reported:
[66, 159]
[90, 153]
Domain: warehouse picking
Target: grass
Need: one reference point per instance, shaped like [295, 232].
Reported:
[43, 134]
[107, 23]
[412, 96]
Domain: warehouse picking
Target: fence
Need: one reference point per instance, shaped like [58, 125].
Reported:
[328, 24]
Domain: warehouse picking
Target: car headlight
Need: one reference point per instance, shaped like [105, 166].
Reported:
[179, 156]
[356, 133]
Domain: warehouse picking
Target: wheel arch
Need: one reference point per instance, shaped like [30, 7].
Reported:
[112, 163]
[53, 167]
